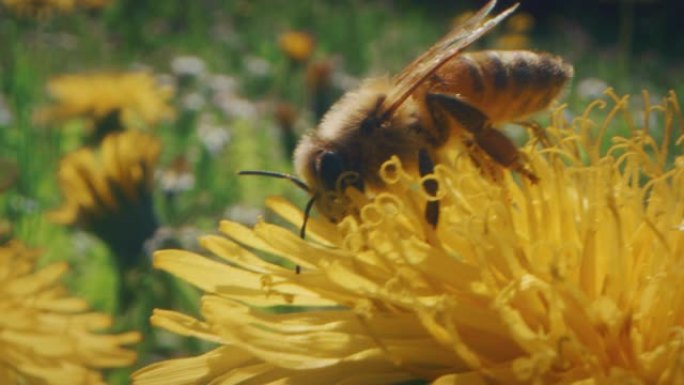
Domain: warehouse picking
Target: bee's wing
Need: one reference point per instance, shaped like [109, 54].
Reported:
[437, 55]
[450, 38]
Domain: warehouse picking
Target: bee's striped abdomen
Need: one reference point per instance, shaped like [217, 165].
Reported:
[505, 85]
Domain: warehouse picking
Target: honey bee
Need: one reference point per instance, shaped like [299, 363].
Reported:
[442, 95]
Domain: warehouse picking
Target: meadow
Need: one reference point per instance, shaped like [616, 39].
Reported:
[123, 123]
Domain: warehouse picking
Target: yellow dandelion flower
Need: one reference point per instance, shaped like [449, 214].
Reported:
[47, 337]
[573, 280]
[109, 192]
[297, 45]
[110, 101]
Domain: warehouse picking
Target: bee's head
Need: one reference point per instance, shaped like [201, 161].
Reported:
[332, 158]
[328, 174]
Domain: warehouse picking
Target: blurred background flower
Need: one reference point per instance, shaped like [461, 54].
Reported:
[187, 69]
[176, 179]
[516, 33]
[321, 88]
[108, 192]
[46, 7]
[214, 137]
[109, 102]
[286, 117]
[297, 45]
[47, 336]
[591, 88]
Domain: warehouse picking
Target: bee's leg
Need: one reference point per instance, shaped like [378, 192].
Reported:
[490, 169]
[537, 131]
[489, 139]
[426, 167]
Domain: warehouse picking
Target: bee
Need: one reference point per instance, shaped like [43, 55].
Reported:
[443, 94]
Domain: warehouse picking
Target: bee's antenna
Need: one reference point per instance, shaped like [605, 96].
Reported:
[300, 183]
[307, 212]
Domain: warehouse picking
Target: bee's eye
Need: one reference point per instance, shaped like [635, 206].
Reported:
[369, 124]
[329, 168]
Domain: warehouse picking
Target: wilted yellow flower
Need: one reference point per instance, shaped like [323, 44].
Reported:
[296, 45]
[286, 116]
[319, 86]
[574, 280]
[47, 337]
[109, 192]
[112, 101]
